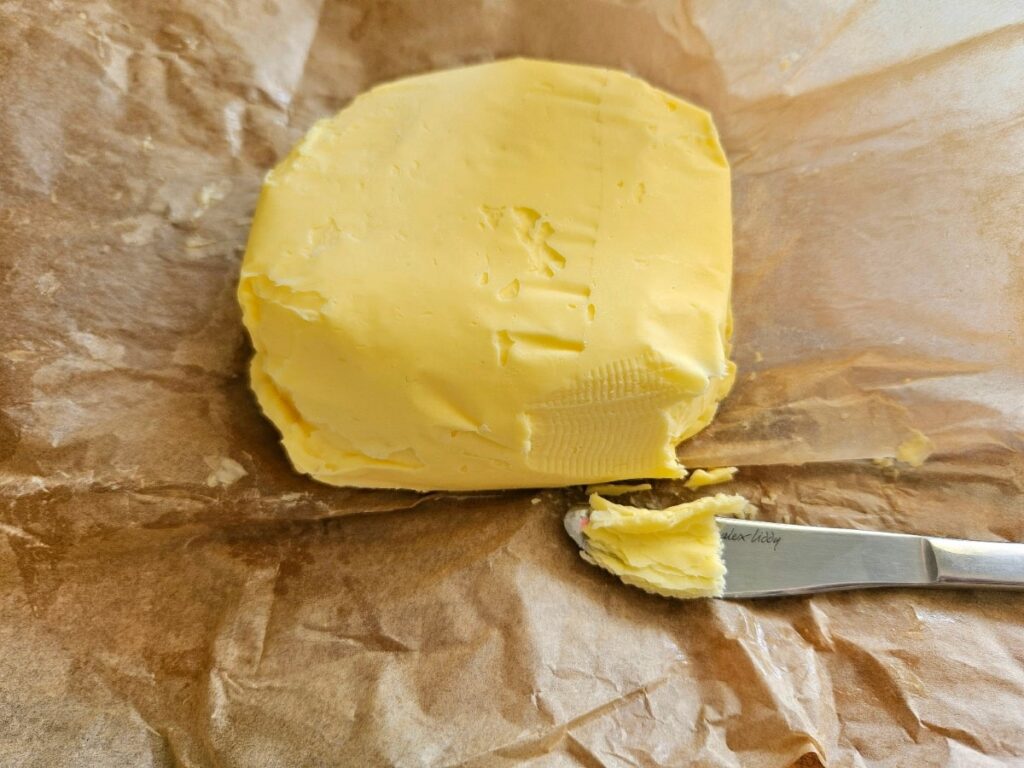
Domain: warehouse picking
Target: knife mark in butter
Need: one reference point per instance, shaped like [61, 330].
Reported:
[756, 536]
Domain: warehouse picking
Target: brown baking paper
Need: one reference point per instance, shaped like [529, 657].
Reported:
[172, 594]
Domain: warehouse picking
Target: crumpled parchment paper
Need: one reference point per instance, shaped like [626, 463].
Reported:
[172, 594]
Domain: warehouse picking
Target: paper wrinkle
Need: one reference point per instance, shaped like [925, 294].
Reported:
[21, 533]
[745, 635]
[877, 153]
[548, 740]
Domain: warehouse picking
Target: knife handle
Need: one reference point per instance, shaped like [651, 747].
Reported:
[961, 563]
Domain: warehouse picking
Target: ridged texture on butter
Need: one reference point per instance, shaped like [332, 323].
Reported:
[509, 275]
[676, 552]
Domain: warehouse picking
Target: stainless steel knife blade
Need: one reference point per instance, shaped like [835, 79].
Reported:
[773, 559]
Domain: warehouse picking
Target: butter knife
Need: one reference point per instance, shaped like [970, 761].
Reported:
[775, 559]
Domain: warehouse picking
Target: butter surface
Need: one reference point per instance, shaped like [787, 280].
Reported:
[509, 275]
[676, 551]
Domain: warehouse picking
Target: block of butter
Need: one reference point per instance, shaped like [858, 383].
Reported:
[515, 274]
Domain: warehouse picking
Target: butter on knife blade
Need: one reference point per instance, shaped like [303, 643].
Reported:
[676, 551]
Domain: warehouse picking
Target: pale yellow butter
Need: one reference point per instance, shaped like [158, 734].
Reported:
[617, 489]
[703, 477]
[509, 275]
[913, 451]
[916, 449]
[676, 552]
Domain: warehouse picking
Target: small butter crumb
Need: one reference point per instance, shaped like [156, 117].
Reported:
[913, 451]
[916, 449]
[225, 471]
[702, 477]
[788, 60]
[195, 241]
[209, 193]
[747, 512]
[617, 489]
[758, 357]
[535, 500]
[47, 283]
